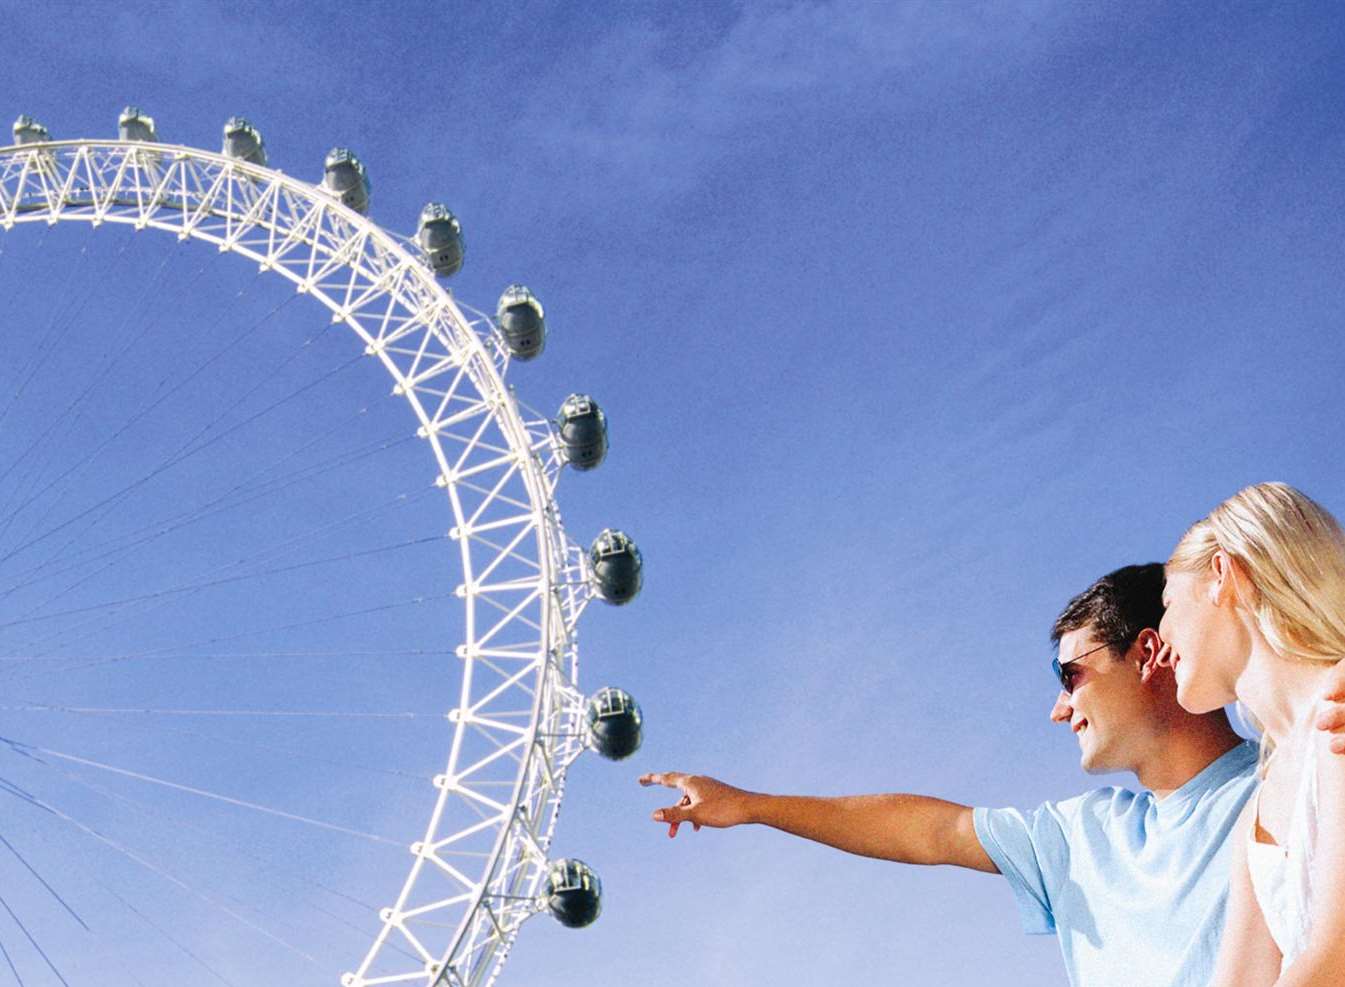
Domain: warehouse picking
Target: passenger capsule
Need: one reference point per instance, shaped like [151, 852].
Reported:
[615, 723]
[583, 432]
[243, 141]
[522, 321]
[29, 131]
[440, 236]
[617, 566]
[573, 893]
[345, 177]
[133, 125]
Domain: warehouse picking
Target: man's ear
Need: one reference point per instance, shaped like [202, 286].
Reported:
[1151, 652]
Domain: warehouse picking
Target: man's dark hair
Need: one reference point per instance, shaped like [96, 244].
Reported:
[1118, 606]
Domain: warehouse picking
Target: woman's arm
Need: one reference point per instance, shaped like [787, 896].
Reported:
[1248, 956]
[1323, 963]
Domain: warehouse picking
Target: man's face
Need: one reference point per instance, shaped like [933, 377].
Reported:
[1109, 709]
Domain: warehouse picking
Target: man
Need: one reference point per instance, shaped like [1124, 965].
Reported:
[1134, 884]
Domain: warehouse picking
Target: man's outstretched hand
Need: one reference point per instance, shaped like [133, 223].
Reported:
[1332, 714]
[705, 802]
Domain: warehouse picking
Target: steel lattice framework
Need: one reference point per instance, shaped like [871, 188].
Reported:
[517, 724]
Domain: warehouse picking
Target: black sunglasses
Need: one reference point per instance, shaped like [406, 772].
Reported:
[1066, 672]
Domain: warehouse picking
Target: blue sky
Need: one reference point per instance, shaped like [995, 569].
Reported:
[910, 320]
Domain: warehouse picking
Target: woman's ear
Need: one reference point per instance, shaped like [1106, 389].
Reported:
[1221, 587]
[1229, 581]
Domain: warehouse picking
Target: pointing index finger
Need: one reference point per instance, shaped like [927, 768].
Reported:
[668, 779]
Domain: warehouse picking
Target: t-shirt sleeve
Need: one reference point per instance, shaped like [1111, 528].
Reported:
[1030, 850]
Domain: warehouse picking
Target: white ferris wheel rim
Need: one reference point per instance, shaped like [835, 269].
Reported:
[388, 297]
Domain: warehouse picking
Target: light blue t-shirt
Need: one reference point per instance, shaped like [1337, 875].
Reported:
[1134, 887]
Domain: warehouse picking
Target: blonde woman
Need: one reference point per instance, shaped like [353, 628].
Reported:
[1255, 599]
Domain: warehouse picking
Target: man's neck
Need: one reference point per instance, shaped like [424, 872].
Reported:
[1186, 753]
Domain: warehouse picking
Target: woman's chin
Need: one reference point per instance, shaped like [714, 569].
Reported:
[1194, 697]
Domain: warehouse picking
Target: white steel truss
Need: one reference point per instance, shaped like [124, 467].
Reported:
[518, 720]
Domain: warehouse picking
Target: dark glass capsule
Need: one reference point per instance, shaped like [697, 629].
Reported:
[133, 125]
[617, 567]
[615, 723]
[573, 893]
[243, 141]
[344, 176]
[440, 236]
[522, 321]
[29, 131]
[582, 427]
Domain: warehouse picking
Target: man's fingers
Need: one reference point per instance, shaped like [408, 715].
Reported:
[668, 779]
[672, 814]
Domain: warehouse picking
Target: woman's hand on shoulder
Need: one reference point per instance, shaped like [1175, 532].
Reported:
[1331, 714]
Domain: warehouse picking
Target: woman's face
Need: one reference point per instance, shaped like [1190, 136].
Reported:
[1209, 644]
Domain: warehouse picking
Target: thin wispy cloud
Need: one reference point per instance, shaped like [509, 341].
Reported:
[665, 113]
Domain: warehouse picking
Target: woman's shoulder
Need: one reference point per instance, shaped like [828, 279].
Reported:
[1321, 864]
[1327, 771]
[1290, 787]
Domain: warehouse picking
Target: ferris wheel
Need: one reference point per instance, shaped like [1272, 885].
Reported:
[477, 863]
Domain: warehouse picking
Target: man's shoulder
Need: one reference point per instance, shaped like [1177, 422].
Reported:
[1105, 802]
[1239, 766]
[1236, 779]
[1233, 777]
[1230, 779]
[1097, 804]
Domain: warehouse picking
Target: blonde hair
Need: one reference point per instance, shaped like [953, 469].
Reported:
[1293, 553]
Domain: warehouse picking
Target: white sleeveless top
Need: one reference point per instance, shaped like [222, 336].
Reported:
[1280, 874]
